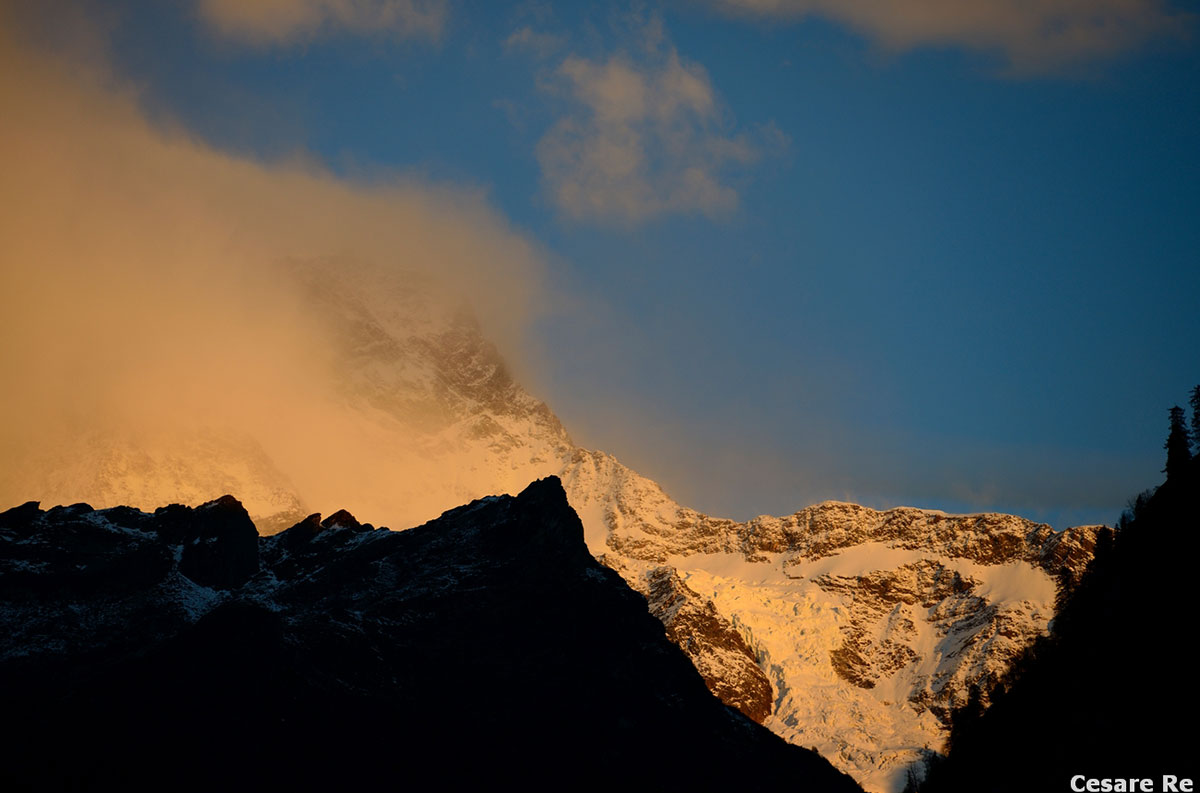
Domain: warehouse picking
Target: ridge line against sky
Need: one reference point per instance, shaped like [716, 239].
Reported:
[786, 251]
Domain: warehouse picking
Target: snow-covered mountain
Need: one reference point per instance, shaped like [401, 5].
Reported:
[847, 629]
[870, 626]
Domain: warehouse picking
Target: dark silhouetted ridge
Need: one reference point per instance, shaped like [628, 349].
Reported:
[486, 647]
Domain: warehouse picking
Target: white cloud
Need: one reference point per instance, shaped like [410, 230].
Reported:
[1032, 35]
[290, 21]
[645, 136]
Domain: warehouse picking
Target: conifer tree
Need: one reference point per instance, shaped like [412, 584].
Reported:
[1196, 420]
[1178, 453]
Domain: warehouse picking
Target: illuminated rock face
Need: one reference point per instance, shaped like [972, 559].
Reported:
[715, 646]
[338, 654]
[849, 629]
[870, 626]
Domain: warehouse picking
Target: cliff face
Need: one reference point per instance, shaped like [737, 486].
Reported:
[713, 644]
[172, 650]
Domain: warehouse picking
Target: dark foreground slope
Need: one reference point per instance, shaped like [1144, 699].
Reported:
[178, 651]
[1111, 693]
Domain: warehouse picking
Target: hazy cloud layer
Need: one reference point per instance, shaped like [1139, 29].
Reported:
[290, 21]
[645, 136]
[143, 295]
[1038, 35]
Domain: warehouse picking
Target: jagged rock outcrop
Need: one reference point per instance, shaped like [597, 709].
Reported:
[220, 545]
[353, 658]
[344, 520]
[866, 656]
[641, 522]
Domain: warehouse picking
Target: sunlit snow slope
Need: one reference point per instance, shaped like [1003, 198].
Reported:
[870, 626]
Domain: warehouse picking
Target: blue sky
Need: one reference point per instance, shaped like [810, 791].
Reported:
[795, 250]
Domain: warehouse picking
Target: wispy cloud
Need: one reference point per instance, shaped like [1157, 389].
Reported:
[282, 22]
[1031, 36]
[540, 43]
[645, 135]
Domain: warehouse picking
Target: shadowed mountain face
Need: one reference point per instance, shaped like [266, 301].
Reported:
[177, 650]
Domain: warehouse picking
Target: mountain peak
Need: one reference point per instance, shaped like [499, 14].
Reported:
[848, 628]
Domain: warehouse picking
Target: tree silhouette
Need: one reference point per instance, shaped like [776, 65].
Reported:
[1178, 451]
[1195, 402]
[1111, 718]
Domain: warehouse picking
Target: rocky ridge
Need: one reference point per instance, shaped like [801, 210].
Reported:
[177, 649]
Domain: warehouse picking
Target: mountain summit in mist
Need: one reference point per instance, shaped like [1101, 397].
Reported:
[851, 630]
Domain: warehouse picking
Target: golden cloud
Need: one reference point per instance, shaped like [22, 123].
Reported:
[143, 293]
[288, 21]
[1031, 36]
[646, 136]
